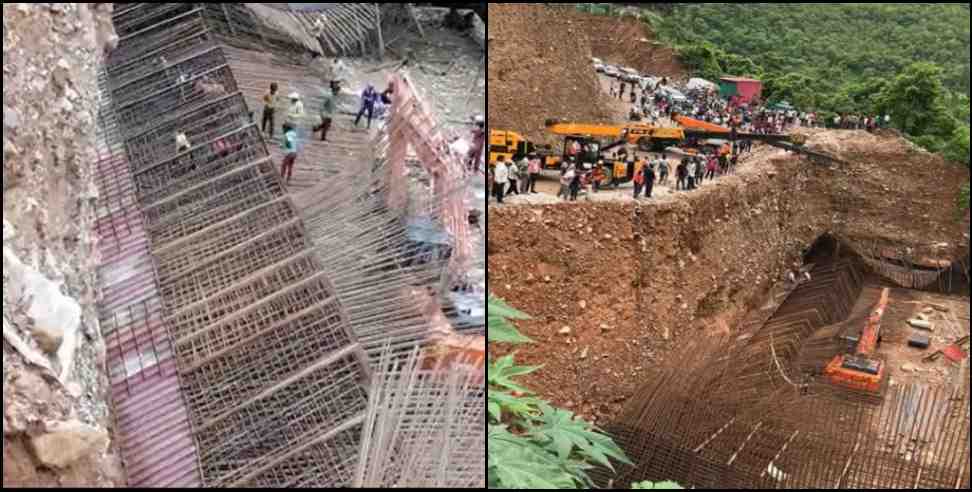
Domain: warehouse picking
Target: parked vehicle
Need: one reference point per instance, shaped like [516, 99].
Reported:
[629, 74]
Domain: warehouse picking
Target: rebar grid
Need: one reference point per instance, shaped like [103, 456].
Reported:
[136, 21]
[211, 203]
[168, 74]
[176, 257]
[179, 43]
[290, 414]
[218, 118]
[210, 275]
[149, 412]
[257, 340]
[425, 428]
[182, 173]
[175, 100]
[733, 413]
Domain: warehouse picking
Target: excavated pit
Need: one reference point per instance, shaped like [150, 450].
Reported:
[674, 324]
[614, 288]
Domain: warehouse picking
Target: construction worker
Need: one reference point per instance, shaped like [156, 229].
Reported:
[182, 143]
[368, 99]
[479, 143]
[681, 175]
[295, 114]
[663, 170]
[327, 111]
[270, 103]
[565, 180]
[290, 145]
[513, 170]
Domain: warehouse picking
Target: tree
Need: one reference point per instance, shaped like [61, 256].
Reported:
[915, 99]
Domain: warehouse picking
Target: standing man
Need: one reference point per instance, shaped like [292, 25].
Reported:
[290, 146]
[327, 111]
[565, 179]
[639, 181]
[692, 171]
[368, 99]
[514, 178]
[270, 102]
[475, 156]
[663, 171]
[649, 180]
[501, 176]
[533, 169]
[681, 175]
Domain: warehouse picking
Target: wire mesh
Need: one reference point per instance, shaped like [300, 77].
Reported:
[211, 203]
[425, 427]
[254, 342]
[200, 164]
[734, 413]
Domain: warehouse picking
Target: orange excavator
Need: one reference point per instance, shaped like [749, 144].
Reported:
[861, 371]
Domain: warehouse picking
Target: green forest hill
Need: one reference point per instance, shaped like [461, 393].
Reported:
[907, 60]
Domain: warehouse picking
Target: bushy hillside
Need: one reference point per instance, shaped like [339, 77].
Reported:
[816, 52]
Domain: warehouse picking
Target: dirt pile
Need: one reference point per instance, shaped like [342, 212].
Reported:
[613, 288]
[893, 196]
[539, 68]
[628, 42]
[57, 420]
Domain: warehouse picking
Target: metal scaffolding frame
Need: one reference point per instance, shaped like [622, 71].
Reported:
[246, 348]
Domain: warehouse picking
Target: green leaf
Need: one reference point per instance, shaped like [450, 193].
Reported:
[563, 434]
[517, 463]
[499, 328]
[501, 373]
[525, 408]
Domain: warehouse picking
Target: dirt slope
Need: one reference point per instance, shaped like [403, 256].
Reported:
[627, 42]
[539, 64]
[538, 68]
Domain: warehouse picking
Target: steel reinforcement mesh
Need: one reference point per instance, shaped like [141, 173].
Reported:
[682, 426]
[217, 302]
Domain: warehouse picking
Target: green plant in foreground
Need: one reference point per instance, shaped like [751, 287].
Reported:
[531, 444]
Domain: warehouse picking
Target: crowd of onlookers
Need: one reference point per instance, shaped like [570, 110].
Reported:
[520, 177]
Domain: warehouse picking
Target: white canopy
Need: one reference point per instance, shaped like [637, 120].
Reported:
[701, 84]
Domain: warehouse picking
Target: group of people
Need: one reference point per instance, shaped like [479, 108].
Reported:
[858, 122]
[372, 103]
[520, 177]
[514, 178]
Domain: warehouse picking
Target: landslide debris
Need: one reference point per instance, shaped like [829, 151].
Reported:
[539, 68]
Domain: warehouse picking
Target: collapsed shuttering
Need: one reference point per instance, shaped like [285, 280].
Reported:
[243, 324]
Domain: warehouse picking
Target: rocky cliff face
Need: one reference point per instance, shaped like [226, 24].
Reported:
[57, 422]
[614, 287]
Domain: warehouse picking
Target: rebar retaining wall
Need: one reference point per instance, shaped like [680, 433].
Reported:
[738, 413]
